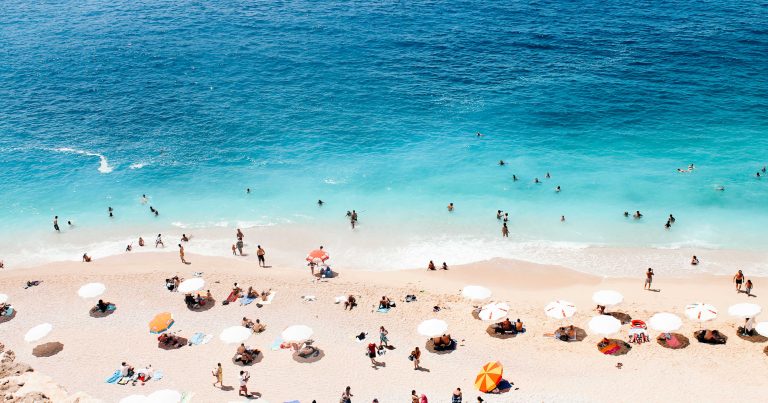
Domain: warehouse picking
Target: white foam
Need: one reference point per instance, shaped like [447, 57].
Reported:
[138, 165]
[104, 166]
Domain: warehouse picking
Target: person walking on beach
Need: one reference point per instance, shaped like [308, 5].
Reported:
[416, 358]
[260, 253]
[240, 246]
[244, 377]
[748, 288]
[504, 230]
[738, 279]
[56, 223]
[240, 234]
[383, 339]
[218, 372]
[181, 254]
[159, 241]
[648, 279]
[346, 396]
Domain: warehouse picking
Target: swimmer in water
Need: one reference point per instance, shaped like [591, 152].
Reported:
[450, 206]
[498, 214]
[478, 134]
[720, 188]
[536, 180]
[637, 214]
[557, 189]
[671, 219]
[501, 162]
[757, 174]
[562, 218]
[763, 169]
[152, 209]
[70, 224]
[319, 202]
[626, 214]
[691, 167]
[157, 213]
[248, 190]
[548, 175]
[144, 199]
[514, 178]
[667, 225]
[110, 212]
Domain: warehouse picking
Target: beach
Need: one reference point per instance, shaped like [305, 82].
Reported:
[539, 367]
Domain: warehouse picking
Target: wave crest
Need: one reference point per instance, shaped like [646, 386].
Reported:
[104, 166]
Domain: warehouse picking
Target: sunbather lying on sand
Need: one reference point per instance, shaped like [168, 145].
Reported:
[442, 341]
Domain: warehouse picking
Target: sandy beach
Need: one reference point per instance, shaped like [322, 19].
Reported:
[540, 368]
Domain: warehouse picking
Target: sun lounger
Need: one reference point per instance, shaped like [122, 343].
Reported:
[115, 377]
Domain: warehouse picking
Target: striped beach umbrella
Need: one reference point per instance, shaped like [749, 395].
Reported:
[700, 312]
[560, 309]
[161, 322]
[489, 377]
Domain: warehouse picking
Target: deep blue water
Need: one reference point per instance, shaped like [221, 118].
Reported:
[374, 106]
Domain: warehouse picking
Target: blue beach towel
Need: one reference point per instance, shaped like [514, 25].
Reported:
[157, 375]
[276, 344]
[383, 310]
[246, 301]
[8, 311]
[114, 378]
[197, 339]
[111, 307]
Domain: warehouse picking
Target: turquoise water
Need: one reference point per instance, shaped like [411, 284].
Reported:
[374, 106]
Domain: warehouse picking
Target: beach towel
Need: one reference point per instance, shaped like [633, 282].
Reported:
[270, 297]
[8, 311]
[610, 349]
[673, 342]
[124, 380]
[383, 310]
[277, 344]
[232, 297]
[246, 300]
[199, 338]
[115, 377]
[157, 375]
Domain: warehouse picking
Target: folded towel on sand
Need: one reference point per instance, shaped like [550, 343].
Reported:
[673, 342]
[115, 377]
[232, 297]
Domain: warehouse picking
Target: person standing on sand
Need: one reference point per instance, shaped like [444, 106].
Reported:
[648, 279]
[218, 372]
[260, 253]
[240, 234]
[416, 358]
[56, 223]
[240, 246]
[181, 254]
[504, 230]
[159, 241]
[383, 339]
[738, 279]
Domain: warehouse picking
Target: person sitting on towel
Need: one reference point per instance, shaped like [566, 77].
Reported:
[385, 303]
[102, 306]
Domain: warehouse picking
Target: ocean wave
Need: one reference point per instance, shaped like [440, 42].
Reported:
[104, 166]
[332, 181]
[138, 165]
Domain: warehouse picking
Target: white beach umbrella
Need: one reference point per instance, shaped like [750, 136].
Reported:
[700, 312]
[476, 292]
[3, 298]
[744, 310]
[135, 399]
[235, 334]
[165, 396]
[762, 328]
[192, 285]
[560, 309]
[494, 311]
[91, 290]
[38, 332]
[297, 333]
[607, 297]
[604, 325]
[432, 327]
[665, 322]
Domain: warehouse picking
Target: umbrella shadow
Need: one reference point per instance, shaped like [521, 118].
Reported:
[752, 339]
[8, 318]
[256, 359]
[580, 334]
[491, 330]
[181, 343]
[208, 305]
[623, 317]
[97, 313]
[314, 357]
[47, 349]
[430, 346]
[624, 347]
[333, 275]
[699, 336]
[684, 341]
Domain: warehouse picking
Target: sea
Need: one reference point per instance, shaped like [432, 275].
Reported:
[376, 106]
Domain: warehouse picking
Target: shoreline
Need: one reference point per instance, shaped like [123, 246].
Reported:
[135, 284]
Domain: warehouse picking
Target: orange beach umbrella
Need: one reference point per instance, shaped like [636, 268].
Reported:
[161, 322]
[317, 254]
[489, 377]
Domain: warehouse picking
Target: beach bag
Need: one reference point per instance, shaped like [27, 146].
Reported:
[411, 357]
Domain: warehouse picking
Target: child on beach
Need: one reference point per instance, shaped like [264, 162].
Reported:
[218, 372]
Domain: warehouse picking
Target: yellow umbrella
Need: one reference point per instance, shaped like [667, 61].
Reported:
[161, 322]
[489, 377]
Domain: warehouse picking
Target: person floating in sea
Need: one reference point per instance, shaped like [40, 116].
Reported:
[557, 189]
[478, 134]
[536, 180]
[562, 218]
[671, 219]
[499, 214]
[648, 279]
[144, 199]
[738, 279]
[547, 176]
[320, 202]
[514, 178]
[56, 223]
[638, 215]
[110, 212]
[501, 163]
[757, 175]
[248, 190]
[450, 206]
[626, 214]
[668, 225]
[70, 224]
